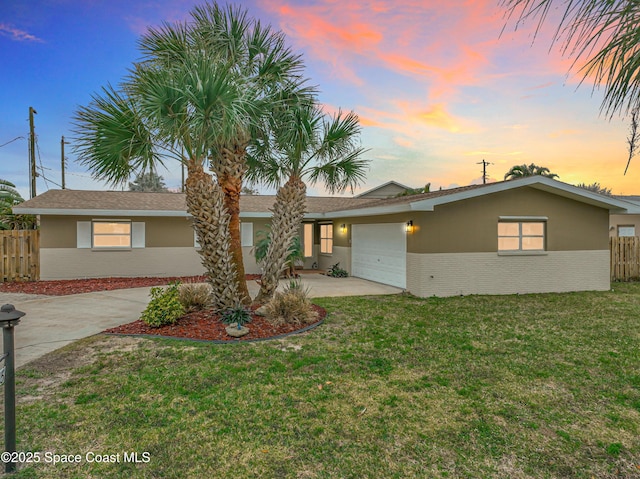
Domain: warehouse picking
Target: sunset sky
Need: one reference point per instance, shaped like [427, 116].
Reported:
[437, 87]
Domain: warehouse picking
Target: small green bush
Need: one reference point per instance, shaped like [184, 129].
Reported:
[237, 315]
[335, 271]
[292, 306]
[164, 307]
[194, 296]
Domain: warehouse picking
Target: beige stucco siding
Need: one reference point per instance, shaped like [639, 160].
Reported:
[471, 225]
[168, 251]
[451, 274]
[623, 220]
[160, 232]
[70, 263]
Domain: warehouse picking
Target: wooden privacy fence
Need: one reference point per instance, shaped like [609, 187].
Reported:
[625, 258]
[19, 255]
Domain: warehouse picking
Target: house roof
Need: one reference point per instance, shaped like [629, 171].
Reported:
[80, 202]
[389, 186]
[634, 201]
[133, 203]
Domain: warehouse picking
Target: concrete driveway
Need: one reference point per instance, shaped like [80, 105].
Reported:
[52, 322]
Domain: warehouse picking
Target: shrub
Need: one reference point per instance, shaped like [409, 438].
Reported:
[237, 315]
[194, 296]
[336, 271]
[164, 307]
[292, 306]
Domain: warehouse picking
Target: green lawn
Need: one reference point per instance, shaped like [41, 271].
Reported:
[533, 386]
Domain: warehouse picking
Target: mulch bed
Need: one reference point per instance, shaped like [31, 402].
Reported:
[206, 326]
[77, 286]
[200, 325]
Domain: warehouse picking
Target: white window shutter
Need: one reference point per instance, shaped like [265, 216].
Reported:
[137, 235]
[83, 234]
[246, 234]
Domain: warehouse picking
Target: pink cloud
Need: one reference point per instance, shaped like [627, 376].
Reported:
[450, 43]
[17, 34]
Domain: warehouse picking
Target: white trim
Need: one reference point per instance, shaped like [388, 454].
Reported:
[93, 212]
[523, 218]
[539, 182]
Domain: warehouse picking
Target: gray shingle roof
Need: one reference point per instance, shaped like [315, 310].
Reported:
[167, 202]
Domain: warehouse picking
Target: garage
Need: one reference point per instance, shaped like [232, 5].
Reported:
[379, 253]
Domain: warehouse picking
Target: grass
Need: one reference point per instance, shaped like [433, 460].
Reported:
[533, 386]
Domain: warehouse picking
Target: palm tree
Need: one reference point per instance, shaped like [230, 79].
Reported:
[596, 188]
[202, 93]
[521, 171]
[9, 197]
[307, 145]
[602, 34]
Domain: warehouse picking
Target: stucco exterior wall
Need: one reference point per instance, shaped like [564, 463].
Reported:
[623, 220]
[72, 263]
[452, 274]
[471, 225]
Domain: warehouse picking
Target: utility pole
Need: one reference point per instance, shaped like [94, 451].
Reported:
[32, 152]
[62, 158]
[484, 170]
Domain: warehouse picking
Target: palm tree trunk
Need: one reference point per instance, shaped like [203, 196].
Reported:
[230, 168]
[205, 203]
[288, 212]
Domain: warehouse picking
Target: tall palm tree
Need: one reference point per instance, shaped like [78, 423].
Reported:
[206, 88]
[307, 145]
[521, 171]
[601, 36]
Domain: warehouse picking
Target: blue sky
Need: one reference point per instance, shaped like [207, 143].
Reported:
[436, 86]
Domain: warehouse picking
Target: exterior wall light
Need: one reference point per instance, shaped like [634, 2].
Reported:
[409, 226]
[343, 228]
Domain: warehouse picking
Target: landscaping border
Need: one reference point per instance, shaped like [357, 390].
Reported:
[228, 341]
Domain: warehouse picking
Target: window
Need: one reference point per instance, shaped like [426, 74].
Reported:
[326, 239]
[116, 234]
[626, 230]
[521, 236]
[308, 240]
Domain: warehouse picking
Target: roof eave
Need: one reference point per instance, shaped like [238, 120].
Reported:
[539, 182]
[97, 212]
[373, 211]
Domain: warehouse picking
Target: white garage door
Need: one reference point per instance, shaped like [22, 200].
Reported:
[379, 253]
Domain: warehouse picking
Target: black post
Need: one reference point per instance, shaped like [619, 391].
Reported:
[9, 317]
[9, 395]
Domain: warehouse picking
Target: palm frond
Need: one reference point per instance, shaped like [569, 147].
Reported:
[602, 35]
[341, 173]
[112, 139]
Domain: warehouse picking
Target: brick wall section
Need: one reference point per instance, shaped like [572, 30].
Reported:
[451, 274]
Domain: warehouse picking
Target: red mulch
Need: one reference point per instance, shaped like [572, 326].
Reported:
[205, 325]
[76, 286]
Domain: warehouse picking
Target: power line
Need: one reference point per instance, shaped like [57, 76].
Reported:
[11, 141]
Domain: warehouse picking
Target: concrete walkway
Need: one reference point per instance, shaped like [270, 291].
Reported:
[52, 322]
